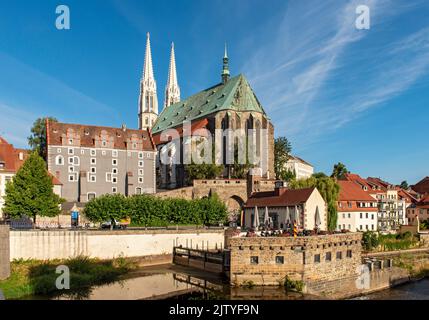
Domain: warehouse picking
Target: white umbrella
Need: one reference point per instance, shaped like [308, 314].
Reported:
[266, 218]
[256, 218]
[296, 216]
[317, 218]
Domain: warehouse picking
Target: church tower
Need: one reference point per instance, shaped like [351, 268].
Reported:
[148, 100]
[225, 70]
[172, 90]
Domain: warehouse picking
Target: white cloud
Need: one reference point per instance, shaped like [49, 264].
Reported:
[317, 72]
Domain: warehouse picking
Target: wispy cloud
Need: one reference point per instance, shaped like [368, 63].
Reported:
[319, 72]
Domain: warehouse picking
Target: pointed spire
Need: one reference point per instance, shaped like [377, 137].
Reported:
[225, 71]
[172, 90]
[148, 100]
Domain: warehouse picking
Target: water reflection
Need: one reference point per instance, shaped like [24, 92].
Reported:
[411, 291]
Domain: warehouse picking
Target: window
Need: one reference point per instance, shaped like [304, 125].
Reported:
[93, 178]
[71, 151]
[108, 177]
[280, 260]
[91, 196]
[350, 227]
[138, 190]
[114, 190]
[114, 162]
[70, 141]
[317, 258]
[141, 155]
[361, 215]
[141, 172]
[82, 151]
[115, 170]
[141, 163]
[372, 217]
[93, 152]
[366, 227]
[93, 170]
[349, 253]
[360, 227]
[349, 204]
[104, 143]
[349, 215]
[254, 260]
[59, 160]
[114, 153]
[71, 160]
[114, 179]
[93, 161]
[59, 150]
[71, 169]
[73, 177]
[344, 215]
[140, 179]
[339, 255]
[328, 257]
[366, 215]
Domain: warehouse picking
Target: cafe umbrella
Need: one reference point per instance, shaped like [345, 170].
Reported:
[256, 218]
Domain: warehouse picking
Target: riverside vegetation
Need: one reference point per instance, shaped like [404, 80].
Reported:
[31, 277]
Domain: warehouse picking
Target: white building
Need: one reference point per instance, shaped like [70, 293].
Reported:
[301, 168]
[357, 210]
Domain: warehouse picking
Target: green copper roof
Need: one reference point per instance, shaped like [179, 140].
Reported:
[235, 95]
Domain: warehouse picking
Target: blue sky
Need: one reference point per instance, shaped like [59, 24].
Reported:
[339, 94]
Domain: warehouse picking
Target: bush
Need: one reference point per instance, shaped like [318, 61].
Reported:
[370, 240]
[293, 285]
[149, 211]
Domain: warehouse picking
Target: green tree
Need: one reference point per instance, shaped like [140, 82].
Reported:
[107, 208]
[30, 193]
[404, 185]
[37, 141]
[329, 190]
[339, 171]
[282, 150]
[203, 171]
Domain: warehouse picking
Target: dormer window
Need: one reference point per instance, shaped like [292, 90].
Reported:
[86, 133]
[70, 141]
[2, 164]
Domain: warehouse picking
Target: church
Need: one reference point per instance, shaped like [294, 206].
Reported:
[228, 106]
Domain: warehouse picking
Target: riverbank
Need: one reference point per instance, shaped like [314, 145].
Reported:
[32, 277]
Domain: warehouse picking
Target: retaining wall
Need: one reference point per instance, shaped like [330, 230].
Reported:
[44, 245]
[4, 252]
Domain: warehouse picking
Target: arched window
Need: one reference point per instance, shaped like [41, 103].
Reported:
[59, 160]
[76, 161]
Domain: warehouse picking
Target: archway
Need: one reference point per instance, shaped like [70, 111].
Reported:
[235, 206]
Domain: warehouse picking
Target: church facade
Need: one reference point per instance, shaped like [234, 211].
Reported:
[228, 115]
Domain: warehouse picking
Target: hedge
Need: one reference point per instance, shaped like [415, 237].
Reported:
[150, 211]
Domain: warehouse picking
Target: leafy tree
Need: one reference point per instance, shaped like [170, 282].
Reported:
[339, 171]
[329, 190]
[318, 175]
[370, 240]
[37, 140]
[203, 171]
[30, 193]
[107, 208]
[282, 150]
[404, 185]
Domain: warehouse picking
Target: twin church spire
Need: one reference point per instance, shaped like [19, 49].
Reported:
[148, 99]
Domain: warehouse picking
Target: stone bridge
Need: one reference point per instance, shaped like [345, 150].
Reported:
[233, 192]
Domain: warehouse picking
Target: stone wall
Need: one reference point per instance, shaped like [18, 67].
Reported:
[304, 258]
[4, 252]
[42, 245]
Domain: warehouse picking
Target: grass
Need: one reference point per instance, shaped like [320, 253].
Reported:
[31, 277]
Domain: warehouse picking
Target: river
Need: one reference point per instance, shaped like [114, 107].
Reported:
[172, 282]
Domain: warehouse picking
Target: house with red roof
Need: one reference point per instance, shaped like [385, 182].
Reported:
[421, 187]
[420, 210]
[11, 160]
[284, 207]
[357, 210]
[390, 202]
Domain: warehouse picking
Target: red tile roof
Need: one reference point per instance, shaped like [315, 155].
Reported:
[372, 188]
[194, 126]
[11, 158]
[279, 198]
[350, 191]
[87, 134]
[422, 186]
